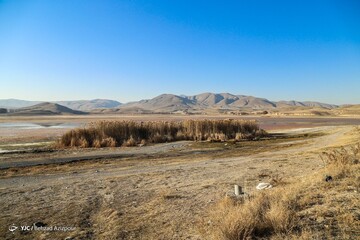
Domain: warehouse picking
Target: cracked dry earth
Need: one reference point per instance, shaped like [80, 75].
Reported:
[154, 192]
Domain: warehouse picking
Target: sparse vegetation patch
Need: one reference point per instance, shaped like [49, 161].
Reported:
[324, 205]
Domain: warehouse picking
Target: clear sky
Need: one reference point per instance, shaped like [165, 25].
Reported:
[130, 50]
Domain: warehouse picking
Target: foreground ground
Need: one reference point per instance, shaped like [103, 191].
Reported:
[162, 191]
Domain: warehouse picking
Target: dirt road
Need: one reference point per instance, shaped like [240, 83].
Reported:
[155, 192]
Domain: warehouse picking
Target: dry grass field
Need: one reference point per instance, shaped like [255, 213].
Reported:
[183, 189]
[297, 208]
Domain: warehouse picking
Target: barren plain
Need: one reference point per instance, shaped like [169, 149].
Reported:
[159, 191]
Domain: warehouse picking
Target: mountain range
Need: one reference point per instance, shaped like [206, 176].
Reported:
[220, 101]
[166, 103]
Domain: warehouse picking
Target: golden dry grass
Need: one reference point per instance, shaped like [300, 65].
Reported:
[131, 133]
[306, 208]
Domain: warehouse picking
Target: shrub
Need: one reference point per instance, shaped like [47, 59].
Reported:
[262, 216]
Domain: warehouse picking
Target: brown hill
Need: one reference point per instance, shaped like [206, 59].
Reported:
[45, 108]
[348, 110]
[162, 103]
[80, 105]
[305, 104]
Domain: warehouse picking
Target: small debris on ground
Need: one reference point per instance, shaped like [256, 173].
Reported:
[328, 178]
[40, 224]
[262, 186]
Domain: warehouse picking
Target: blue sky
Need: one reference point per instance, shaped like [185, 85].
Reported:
[131, 50]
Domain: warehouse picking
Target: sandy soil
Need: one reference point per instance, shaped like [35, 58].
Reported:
[154, 192]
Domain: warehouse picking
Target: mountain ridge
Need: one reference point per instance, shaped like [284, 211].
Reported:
[173, 103]
[226, 101]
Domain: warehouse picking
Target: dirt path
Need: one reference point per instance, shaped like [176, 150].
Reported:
[9, 160]
[161, 198]
[331, 139]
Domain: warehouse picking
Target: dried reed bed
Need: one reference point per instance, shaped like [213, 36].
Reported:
[131, 133]
[308, 209]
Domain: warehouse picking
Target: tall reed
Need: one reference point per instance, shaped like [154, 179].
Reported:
[130, 133]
